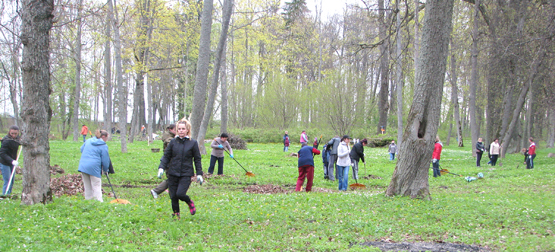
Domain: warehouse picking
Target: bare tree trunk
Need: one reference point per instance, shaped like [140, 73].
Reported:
[108, 77]
[416, 32]
[474, 78]
[383, 105]
[455, 97]
[12, 82]
[77, 94]
[551, 117]
[227, 11]
[36, 22]
[199, 93]
[399, 77]
[224, 110]
[122, 96]
[410, 177]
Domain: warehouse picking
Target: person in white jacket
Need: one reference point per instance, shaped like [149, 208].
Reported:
[343, 163]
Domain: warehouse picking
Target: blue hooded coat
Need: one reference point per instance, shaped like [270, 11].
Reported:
[94, 157]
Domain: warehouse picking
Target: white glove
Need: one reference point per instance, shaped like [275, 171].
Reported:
[199, 179]
[160, 172]
[15, 163]
[434, 160]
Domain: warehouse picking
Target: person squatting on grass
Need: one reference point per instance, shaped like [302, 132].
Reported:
[494, 151]
[436, 156]
[166, 139]
[343, 163]
[357, 154]
[8, 156]
[306, 167]
[219, 144]
[178, 163]
[480, 148]
[531, 154]
[333, 144]
[94, 160]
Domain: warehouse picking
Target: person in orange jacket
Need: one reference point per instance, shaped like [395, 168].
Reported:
[84, 132]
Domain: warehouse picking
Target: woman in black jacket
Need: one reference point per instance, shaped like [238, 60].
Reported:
[8, 157]
[480, 148]
[178, 162]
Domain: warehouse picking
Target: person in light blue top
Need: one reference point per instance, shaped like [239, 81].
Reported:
[94, 160]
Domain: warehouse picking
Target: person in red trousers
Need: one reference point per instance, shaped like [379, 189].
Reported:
[306, 166]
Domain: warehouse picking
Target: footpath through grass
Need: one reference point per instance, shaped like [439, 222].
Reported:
[510, 209]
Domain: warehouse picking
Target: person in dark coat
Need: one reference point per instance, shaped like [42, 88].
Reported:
[166, 139]
[8, 157]
[306, 166]
[357, 154]
[480, 148]
[325, 159]
[177, 162]
[333, 144]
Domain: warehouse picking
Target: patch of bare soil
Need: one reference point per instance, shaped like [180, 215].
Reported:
[423, 246]
[265, 189]
[370, 176]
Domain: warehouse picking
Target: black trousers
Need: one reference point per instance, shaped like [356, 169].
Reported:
[435, 167]
[213, 160]
[178, 187]
[478, 158]
[494, 159]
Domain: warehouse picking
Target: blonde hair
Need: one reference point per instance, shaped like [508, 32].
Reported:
[100, 133]
[187, 125]
[437, 139]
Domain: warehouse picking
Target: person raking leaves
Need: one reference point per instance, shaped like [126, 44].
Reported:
[219, 144]
[306, 166]
[8, 158]
[177, 161]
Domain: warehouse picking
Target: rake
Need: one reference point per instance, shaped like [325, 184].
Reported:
[357, 185]
[119, 201]
[248, 173]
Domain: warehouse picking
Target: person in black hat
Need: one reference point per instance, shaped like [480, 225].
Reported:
[343, 163]
[218, 146]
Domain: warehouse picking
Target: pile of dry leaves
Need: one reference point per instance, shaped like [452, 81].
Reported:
[265, 189]
[71, 184]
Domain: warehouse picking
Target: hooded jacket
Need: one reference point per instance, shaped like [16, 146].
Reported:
[343, 158]
[334, 142]
[437, 150]
[179, 156]
[8, 151]
[94, 157]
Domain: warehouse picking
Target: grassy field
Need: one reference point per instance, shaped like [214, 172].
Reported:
[511, 209]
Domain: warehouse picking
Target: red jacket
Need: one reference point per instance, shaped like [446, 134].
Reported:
[437, 151]
[532, 149]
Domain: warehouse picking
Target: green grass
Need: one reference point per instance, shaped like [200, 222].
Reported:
[510, 209]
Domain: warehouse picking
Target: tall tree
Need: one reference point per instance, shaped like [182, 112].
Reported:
[399, 75]
[455, 96]
[410, 177]
[474, 78]
[199, 94]
[36, 23]
[77, 57]
[108, 76]
[383, 104]
[227, 11]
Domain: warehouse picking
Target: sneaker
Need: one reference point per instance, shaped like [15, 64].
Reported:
[154, 194]
[176, 215]
[192, 208]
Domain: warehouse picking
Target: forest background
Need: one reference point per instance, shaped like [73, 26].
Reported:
[283, 67]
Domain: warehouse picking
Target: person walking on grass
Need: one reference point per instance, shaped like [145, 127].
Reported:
[531, 154]
[343, 163]
[392, 150]
[480, 148]
[166, 139]
[306, 167]
[357, 154]
[333, 144]
[177, 161]
[494, 149]
[436, 156]
[8, 157]
[84, 132]
[286, 142]
[219, 144]
[94, 161]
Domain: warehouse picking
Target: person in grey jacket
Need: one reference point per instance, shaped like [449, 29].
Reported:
[357, 154]
[219, 144]
[392, 151]
[333, 144]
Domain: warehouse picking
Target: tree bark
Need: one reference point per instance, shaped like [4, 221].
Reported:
[455, 97]
[551, 137]
[383, 105]
[410, 177]
[108, 77]
[399, 77]
[474, 78]
[227, 11]
[77, 94]
[36, 22]
[199, 93]
[122, 91]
